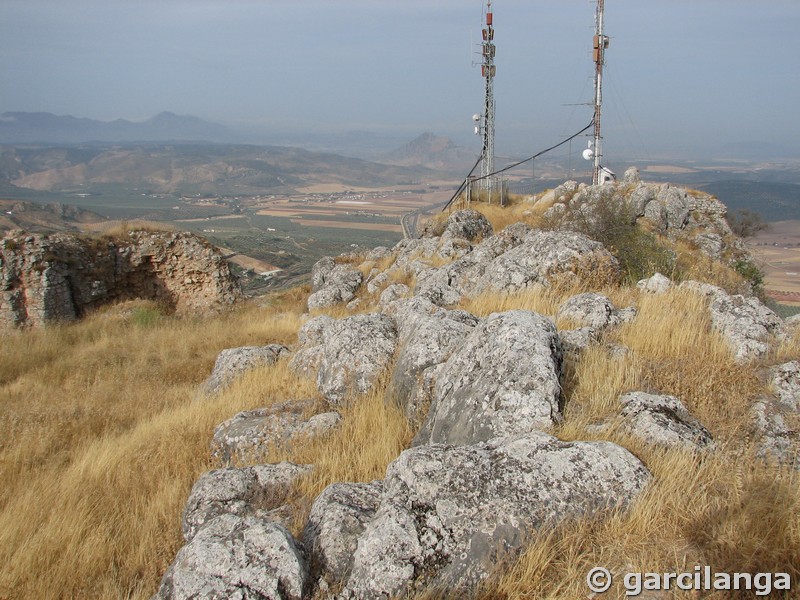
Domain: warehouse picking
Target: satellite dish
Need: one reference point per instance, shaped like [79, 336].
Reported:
[476, 118]
[588, 154]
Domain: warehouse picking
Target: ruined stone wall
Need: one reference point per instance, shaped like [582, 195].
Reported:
[61, 277]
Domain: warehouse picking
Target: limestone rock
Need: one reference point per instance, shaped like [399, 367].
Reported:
[337, 519]
[657, 284]
[355, 352]
[428, 336]
[746, 324]
[307, 359]
[469, 225]
[394, 292]
[234, 362]
[592, 310]
[541, 256]
[664, 421]
[241, 492]
[502, 380]
[575, 341]
[250, 435]
[631, 176]
[785, 384]
[237, 557]
[447, 513]
[777, 442]
[333, 283]
[61, 277]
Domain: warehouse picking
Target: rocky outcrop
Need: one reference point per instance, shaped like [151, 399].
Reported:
[333, 283]
[594, 310]
[338, 517]
[502, 380]
[237, 557]
[447, 514]
[252, 434]
[746, 324]
[347, 355]
[234, 362]
[242, 492]
[62, 277]
[428, 335]
[663, 421]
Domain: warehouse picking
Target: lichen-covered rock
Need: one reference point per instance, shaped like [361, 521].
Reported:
[785, 384]
[333, 283]
[593, 310]
[355, 352]
[776, 441]
[541, 256]
[575, 341]
[252, 434]
[657, 284]
[237, 557]
[234, 362]
[308, 357]
[428, 335]
[746, 324]
[469, 225]
[337, 519]
[664, 421]
[448, 514]
[63, 276]
[242, 492]
[502, 380]
[394, 292]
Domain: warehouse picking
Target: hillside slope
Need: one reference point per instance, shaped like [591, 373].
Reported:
[501, 392]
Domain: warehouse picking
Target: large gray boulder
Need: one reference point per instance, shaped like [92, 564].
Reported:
[333, 283]
[252, 434]
[746, 324]
[428, 335]
[355, 352]
[234, 362]
[308, 357]
[594, 310]
[237, 558]
[448, 514]
[540, 257]
[469, 225]
[502, 380]
[663, 421]
[337, 519]
[242, 492]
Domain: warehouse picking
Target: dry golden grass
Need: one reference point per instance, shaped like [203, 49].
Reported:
[727, 510]
[102, 436]
[102, 439]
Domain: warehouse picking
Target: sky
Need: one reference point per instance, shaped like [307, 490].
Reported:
[683, 77]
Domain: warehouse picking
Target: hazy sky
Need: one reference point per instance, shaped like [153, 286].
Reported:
[682, 75]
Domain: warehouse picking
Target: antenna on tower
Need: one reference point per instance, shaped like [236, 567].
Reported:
[595, 150]
[488, 71]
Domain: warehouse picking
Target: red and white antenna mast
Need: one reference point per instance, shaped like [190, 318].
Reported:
[488, 71]
[600, 44]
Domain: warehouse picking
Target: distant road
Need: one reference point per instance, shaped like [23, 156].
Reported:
[410, 221]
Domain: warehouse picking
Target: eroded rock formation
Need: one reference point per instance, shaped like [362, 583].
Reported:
[61, 277]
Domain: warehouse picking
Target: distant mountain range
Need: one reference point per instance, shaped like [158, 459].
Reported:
[47, 128]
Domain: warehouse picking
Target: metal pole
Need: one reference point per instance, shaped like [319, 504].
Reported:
[488, 71]
[600, 45]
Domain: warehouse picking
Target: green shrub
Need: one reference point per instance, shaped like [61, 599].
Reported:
[752, 273]
[612, 222]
